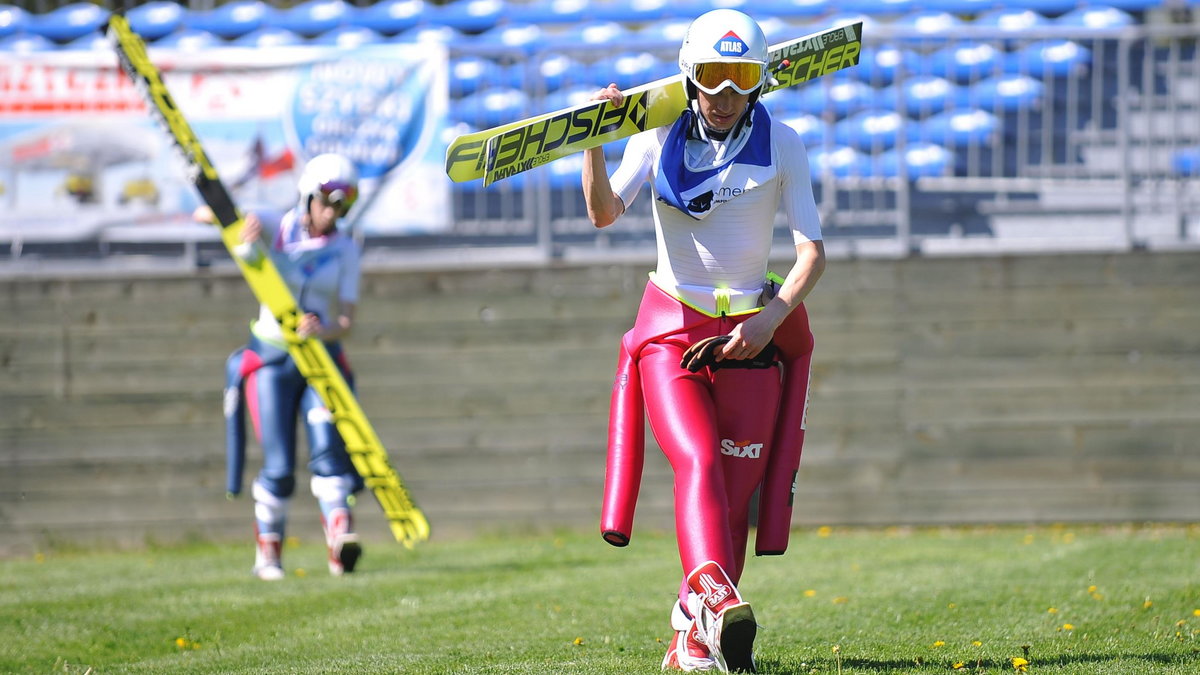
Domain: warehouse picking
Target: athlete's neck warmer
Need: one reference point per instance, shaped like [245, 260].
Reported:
[696, 190]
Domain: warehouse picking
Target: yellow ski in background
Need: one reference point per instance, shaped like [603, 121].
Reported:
[407, 521]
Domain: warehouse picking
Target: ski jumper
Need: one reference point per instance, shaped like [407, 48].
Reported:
[321, 272]
[725, 432]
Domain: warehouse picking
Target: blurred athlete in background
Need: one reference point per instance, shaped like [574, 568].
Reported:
[719, 356]
[321, 267]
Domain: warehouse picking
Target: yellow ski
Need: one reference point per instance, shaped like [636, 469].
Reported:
[503, 151]
[408, 523]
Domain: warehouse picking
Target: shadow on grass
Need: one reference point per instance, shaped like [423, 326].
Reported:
[1115, 662]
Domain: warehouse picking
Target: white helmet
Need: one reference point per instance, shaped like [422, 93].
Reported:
[722, 48]
[333, 177]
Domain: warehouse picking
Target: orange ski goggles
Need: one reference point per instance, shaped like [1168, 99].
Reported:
[713, 76]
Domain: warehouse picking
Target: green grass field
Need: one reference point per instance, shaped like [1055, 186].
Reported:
[1119, 600]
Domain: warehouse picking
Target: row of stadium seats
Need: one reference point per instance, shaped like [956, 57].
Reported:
[936, 74]
[524, 25]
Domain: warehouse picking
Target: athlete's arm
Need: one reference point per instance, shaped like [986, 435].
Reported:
[603, 205]
[796, 195]
[753, 334]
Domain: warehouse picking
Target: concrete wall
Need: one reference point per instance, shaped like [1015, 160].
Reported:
[1039, 388]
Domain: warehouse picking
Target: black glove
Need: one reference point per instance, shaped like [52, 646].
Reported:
[704, 353]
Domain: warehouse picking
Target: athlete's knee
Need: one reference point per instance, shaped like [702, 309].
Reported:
[333, 489]
[279, 486]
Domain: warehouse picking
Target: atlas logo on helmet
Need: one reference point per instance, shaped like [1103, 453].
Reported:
[731, 45]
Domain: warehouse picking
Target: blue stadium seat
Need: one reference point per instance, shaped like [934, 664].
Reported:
[967, 61]
[567, 97]
[1011, 19]
[25, 43]
[811, 128]
[234, 19]
[157, 19]
[842, 96]
[630, 11]
[267, 37]
[928, 24]
[958, 128]
[794, 9]
[921, 96]
[1058, 58]
[1142, 5]
[496, 106]
[592, 34]
[314, 17]
[1186, 161]
[552, 72]
[431, 33]
[96, 41]
[628, 69]
[469, 16]
[878, 65]
[839, 161]
[1096, 18]
[963, 7]
[870, 130]
[13, 20]
[189, 40]
[1046, 7]
[69, 21]
[777, 30]
[522, 38]
[391, 16]
[469, 74]
[843, 18]
[543, 12]
[348, 37]
[667, 31]
[879, 7]
[1005, 93]
[919, 160]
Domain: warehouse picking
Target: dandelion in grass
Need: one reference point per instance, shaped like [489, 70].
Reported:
[810, 593]
[824, 531]
[1147, 604]
[1196, 612]
[958, 665]
[976, 643]
[953, 605]
[1020, 665]
[1068, 626]
[578, 641]
[1052, 610]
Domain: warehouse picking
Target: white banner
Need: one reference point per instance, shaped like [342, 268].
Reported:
[80, 155]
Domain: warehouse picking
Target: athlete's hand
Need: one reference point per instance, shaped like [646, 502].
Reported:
[610, 93]
[251, 228]
[707, 353]
[748, 338]
[310, 326]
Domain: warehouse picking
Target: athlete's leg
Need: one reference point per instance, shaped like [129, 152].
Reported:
[334, 480]
[680, 408]
[746, 403]
[276, 400]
